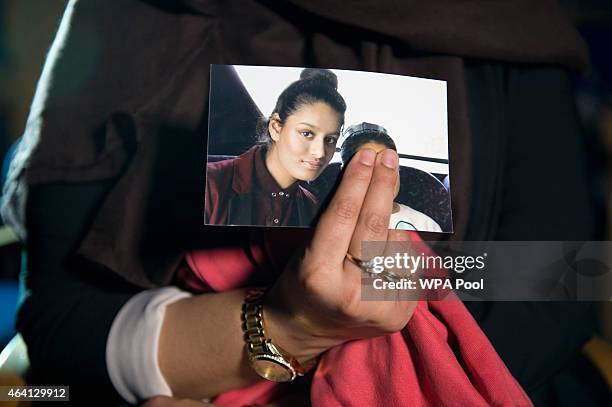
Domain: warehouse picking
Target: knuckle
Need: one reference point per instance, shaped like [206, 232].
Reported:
[346, 210]
[400, 318]
[360, 174]
[376, 223]
[313, 282]
[384, 179]
[349, 305]
[396, 325]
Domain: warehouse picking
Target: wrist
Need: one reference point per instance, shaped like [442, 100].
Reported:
[291, 337]
[294, 332]
[267, 358]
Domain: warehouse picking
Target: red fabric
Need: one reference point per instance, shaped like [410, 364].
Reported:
[441, 358]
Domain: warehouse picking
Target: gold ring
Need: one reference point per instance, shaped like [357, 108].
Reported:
[368, 267]
[365, 265]
[354, 260]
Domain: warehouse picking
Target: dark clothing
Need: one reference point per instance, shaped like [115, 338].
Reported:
[117, 104]
[133, 131]
[530, 183]
[241, 191]
[67, 313]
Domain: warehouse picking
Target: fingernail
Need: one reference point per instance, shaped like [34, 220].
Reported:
[389, 159]
[367, 157]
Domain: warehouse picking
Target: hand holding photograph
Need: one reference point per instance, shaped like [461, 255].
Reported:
[280, 168]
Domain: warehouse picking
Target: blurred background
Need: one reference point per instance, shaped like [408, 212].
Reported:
[27, 28]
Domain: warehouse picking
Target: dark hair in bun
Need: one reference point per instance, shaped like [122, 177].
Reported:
[315, 85]
[323, 76]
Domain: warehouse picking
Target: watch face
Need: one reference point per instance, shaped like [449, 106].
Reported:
[273, 368]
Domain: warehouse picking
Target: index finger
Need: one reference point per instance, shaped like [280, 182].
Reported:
[335, 227]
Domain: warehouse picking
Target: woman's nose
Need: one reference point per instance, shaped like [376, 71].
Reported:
[317, 149]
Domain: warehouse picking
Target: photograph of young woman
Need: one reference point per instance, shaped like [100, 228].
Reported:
[375, 137]
[261, 186]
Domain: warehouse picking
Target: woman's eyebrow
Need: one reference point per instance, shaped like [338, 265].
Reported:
[335, 133]
[308, 124]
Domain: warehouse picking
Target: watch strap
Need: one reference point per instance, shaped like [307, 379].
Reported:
[258, 345]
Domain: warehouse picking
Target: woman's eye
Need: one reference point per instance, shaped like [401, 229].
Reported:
[331, 140]
[306, 133]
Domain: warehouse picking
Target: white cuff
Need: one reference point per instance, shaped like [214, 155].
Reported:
[131, 349]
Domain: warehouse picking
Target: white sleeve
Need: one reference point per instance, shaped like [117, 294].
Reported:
[131, 349]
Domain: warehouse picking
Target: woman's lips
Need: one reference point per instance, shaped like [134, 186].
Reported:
[312, 165]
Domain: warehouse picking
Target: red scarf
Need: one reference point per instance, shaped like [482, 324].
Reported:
[441, 358]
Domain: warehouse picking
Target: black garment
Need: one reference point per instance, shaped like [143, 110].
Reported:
[529, 182]
[69, 306]
[119, 85]
[528, 176]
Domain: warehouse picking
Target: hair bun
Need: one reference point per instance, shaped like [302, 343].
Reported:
[322, 76]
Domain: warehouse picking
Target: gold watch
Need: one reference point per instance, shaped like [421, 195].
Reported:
[269, 360]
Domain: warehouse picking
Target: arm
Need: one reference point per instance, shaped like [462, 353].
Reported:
[313, 306]
[67, 317]
[220, 363]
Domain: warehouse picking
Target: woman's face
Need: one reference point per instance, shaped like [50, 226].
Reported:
[304, 144]
[372, 145]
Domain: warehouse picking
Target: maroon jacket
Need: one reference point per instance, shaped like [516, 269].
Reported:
[241, 191]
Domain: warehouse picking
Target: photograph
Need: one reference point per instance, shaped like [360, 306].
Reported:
[280, 137]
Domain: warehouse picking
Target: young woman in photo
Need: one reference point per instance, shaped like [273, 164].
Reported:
[261, 186]
[372, 136]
